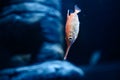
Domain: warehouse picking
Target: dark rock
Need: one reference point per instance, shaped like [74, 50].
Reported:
[51, 70]
[30, 27]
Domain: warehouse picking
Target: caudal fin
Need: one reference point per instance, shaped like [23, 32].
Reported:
[77, 9]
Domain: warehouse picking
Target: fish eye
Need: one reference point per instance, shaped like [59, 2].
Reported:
[70, 38]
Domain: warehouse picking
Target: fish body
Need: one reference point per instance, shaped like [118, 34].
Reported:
[72, 28]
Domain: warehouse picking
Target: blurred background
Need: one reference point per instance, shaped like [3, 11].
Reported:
[26, 39]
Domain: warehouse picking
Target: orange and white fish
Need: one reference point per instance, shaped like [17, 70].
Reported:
[72, 28]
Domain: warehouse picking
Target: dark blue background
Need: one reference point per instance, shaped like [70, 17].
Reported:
[99, 30]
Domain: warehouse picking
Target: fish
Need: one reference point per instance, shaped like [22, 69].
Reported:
[72, 28]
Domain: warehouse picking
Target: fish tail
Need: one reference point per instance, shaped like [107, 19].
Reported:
[77, 9]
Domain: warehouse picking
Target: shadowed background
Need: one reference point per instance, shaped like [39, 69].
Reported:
[99, 31]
